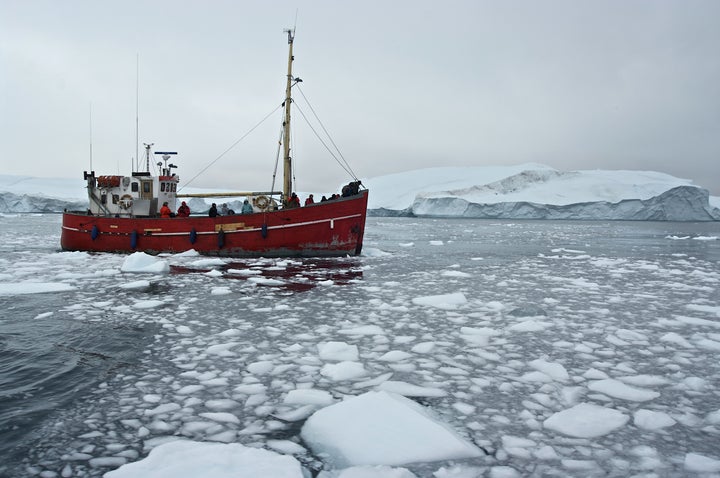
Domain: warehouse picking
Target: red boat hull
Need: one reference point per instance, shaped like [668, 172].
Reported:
[332, 228]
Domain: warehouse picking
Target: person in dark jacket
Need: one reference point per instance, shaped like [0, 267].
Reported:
[213, 210]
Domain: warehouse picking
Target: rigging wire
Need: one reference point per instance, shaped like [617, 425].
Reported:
[231, 147]
[349, 169]
[277, 160]
[346, 168]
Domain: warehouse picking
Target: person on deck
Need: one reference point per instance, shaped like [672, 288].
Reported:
[309, 200]
[165, 210]
[224, 209]
[213, 210]
[183, 210]
[294, 201]
[247, 207]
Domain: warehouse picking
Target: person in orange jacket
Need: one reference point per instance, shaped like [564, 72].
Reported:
[165, 210]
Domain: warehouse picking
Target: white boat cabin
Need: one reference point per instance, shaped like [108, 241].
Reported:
[138, 195]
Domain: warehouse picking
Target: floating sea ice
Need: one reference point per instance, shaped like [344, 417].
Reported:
[504, 471]
[188, 459]
[586, 420]
[381, 428]
[223, 350]
[552, 369]
[138, 284]
[436, 243]
[34, 288]
[374, 252]
[345, 370]
[141, 262]
[338, 351]
[148, 304]
[221, 404]
[701, 463]
[644, 380]
[220, 290]
[184, 330]
[363, 330]
[677, 339]
[244, 272]
[265, 281]
[530, 325]
[651, 420]
[369, 471]
[444, 301]
[410, 390]
[204, 263]
[617, 389]
[286, 447]
[458, 274]
[423, 347]
[394, 356]
[309, 396]
[221, 417]
[188, 253]
[164, 408]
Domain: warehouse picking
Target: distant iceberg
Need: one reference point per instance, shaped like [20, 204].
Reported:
[535, 191]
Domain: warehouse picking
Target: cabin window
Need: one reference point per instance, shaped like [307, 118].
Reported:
[162, 187]
[103, 199]
[115, 198]
[174, 186]
[146, 187]
[134, 187]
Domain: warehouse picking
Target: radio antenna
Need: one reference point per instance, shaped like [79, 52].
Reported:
[137, 111]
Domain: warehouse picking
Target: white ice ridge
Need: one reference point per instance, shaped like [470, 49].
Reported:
[381, 428]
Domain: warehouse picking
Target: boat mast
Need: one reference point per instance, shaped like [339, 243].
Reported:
[287, 163]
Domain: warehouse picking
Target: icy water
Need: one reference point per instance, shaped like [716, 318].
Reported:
[99, 366]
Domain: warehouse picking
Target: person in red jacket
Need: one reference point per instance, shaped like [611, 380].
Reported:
[294, 201]
[165, 210]
[310, 200]
[183, 210]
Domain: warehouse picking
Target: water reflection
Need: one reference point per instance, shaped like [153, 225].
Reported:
[293, 275]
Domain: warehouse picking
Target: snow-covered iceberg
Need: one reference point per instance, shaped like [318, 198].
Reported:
[535, 191]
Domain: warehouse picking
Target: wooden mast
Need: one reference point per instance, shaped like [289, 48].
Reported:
[287, 163]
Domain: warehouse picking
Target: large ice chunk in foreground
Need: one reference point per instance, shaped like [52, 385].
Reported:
[586, 420]
[382, 428]
[141, 262]
[188, 459]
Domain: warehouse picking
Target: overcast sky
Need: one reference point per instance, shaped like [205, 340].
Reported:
[400, 85]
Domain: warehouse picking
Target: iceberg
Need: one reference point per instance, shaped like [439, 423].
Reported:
[535, 191]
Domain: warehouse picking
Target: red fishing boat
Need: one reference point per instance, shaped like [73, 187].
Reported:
[125, 214]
